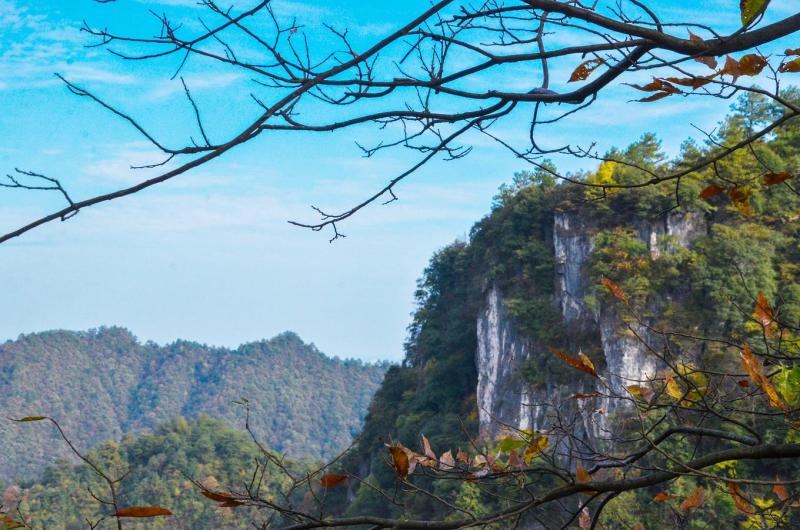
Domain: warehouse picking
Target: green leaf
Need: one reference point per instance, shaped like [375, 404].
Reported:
[28, 419]
[750, 9]
[788, 383]
[507, 445]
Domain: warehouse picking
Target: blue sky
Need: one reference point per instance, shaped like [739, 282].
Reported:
[210, 256]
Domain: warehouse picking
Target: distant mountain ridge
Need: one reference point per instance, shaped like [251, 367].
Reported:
[104, 383]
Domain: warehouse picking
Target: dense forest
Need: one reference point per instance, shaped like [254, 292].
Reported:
[167, 468]
[103, 384]
[750, 243]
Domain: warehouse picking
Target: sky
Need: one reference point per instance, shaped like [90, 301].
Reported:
[210, 256]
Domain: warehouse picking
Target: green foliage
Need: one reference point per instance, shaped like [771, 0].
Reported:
[161, 466]
[102, 384]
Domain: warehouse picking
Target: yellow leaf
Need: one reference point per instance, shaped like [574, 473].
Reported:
[673, 389]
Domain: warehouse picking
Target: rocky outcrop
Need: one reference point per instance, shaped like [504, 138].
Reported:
[504, 399]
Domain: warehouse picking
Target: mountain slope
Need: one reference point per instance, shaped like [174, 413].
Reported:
[101, 384]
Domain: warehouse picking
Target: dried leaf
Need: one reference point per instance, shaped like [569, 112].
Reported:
[656, 85]
[514, 460]
[756, 371]
[792, 51]
[752, 64]
[585, 69]
[744, 383]
[585, 520]
[399, 460]
[730, 68]
[693, 82]
[331, 480]
[447, 461]
[770, 179]
[586, 361]
[575, 362]
[462, 457]
[763, 313]
[142, 511]
[694, 500]
[655, 97]
[741, 503]
[662, 497]
[585, 396]
[618, 293]
[740, 197]
[791, 66]
[581, 475]
[711, 62]
[710, 191]
[750, 9]
[225, 500]
[426, 448]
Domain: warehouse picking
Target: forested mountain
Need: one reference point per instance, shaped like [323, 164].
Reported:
[166, 468]
[104, 383]
[477, 358]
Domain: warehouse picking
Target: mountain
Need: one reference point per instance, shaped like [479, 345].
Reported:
[104, 383]
[477, 360]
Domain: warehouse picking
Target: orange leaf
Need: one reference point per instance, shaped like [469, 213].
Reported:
[332, 480]
[763, 313]
[740, 197]
[756, 371]
[581, 475]
[744, 383]
[462, 457]
[399, 460]
[751, 64]
[741, 503]
[791, 66]
[694, 500]
[770, 179]
[710, 191]
[662, 496]
[142, 511]
[585, 69]
[781, 492]
[573, 361]
[615, 290]
[694, 82]
[792, 51]
[585, 396]
[731, 67]
[656, 85]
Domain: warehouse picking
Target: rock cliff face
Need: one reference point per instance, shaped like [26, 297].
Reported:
[504, 398]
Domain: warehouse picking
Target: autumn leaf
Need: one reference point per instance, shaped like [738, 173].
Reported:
[693, 82]
[331, 480]
[615, 290]
[656, 85]
[585, 396]
[763, 313]
[750, 9]
[641, 392]
[711, 62]
[741, 503]
[673, 388]
[791, 66]
[662, 497]
[770, 179]
[585, 69]
[694, 500]
[575, 362]
[586, 361]
[751, 64]
[638, 526]
[731, 67]
[740, 197]
[142, 511]
[462, 457]
[756, 372]
[426, 448]
[399, 460]
[744, 383]
[710, 191]
[783, 494]
[792, 51]
[585, 520]
[655, 97]
[447, 461]
[536, 446]
[514, 460]
[581, 475]
[225, 500]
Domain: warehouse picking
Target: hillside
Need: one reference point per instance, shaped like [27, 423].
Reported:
[102, 384]
[162, 467]
[477, 360]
